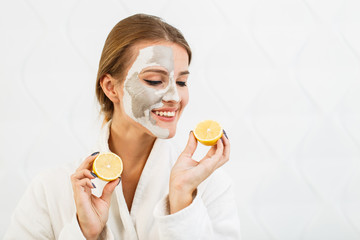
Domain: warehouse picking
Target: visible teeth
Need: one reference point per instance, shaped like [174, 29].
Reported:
[166, 114]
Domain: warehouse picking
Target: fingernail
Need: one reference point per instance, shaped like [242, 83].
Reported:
[94, 153]
[93, 174]
[119, 181]
[225, 134]
[190, 132]
[93, 185]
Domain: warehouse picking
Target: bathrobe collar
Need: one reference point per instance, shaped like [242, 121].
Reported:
[157, 167]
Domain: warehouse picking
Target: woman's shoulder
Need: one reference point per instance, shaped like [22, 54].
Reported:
[54, 173]
[52, 180]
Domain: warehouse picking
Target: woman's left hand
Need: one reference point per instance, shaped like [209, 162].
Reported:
[187, 174]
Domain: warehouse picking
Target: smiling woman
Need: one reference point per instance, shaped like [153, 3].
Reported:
[162, 63]
[142, 90]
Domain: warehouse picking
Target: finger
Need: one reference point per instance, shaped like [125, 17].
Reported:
[226, 152]
[84, 173]
[191, 145]
[219, 149]
[209, 163]
[109, 189]
[219, 154]
[226, 143]
[211, 152]
[214, 150]
[87, 163]
[84, 184]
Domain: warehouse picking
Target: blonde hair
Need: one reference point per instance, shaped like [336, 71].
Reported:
[117, 53]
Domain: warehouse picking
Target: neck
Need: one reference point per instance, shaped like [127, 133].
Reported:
[131, 144]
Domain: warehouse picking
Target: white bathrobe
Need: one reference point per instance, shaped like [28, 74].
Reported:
[47, 209]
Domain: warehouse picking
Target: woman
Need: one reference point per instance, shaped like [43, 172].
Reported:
[142, 89]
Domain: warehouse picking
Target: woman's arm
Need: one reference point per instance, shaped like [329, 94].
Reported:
[44, 210]
[211, 215]
[197, 212]
[187, 174]
[91, 211]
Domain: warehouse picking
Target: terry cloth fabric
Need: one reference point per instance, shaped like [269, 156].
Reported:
[47, 209]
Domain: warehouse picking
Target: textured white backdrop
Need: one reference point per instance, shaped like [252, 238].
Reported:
[282, 76]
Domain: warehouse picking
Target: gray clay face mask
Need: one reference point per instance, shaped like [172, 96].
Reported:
[139, 100]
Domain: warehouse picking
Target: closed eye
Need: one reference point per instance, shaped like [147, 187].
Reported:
[153, 83]
[181, 83]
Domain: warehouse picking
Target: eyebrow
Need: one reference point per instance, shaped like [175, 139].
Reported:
[184, 73]
[165, 72]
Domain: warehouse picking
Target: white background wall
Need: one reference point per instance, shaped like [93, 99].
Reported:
[282, 76]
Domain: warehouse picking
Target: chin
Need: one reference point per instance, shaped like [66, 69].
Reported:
[171, 129]
[172, 133]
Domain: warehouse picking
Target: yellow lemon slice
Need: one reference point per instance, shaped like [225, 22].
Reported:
[208, 132]
[108, 166]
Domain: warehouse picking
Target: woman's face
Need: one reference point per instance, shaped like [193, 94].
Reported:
[154, 91]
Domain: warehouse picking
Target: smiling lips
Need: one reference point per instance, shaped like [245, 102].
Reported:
[168, 114]
[165, 114]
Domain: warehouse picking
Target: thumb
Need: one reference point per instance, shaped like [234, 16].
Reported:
[191, 145]
[109, 189]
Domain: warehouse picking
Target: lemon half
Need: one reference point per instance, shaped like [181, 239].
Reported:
[208, 132]
[108, 166]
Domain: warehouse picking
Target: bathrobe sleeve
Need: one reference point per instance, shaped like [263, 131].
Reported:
[72, 231]
[37, 214]
[212, 214]
[31, 218]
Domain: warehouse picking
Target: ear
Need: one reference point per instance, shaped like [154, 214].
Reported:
[108, 84]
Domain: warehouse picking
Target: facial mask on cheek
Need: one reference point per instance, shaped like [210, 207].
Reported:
[139, 99]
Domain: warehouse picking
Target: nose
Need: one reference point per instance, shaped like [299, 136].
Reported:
[172, 93]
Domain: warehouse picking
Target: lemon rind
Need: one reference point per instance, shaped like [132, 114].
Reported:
[209, 142]
[104, 178]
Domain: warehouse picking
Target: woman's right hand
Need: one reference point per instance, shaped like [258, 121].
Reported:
[92, 212]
